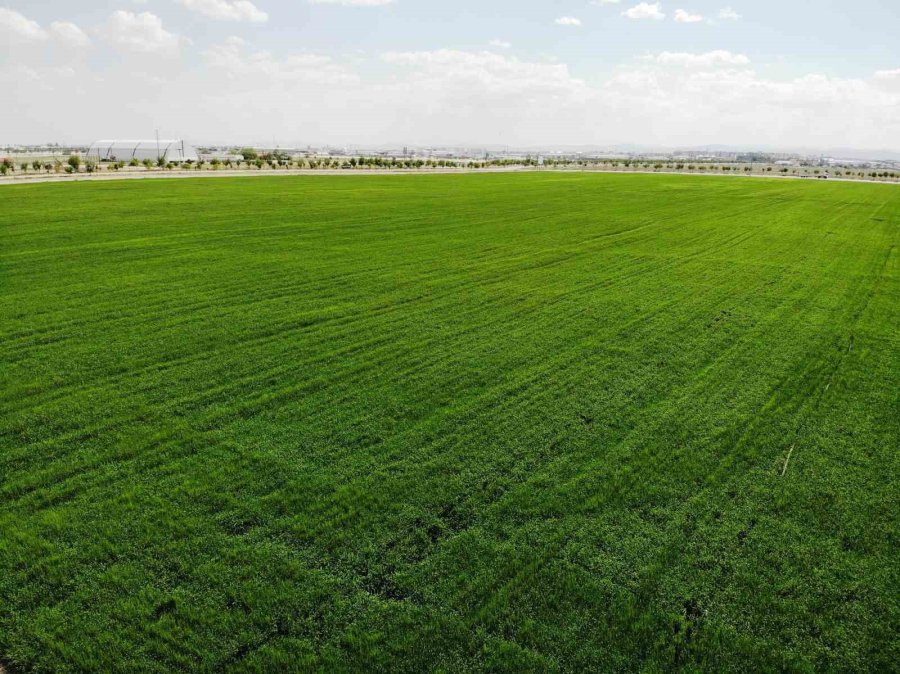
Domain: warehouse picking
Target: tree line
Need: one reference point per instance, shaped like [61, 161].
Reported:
[252, 159]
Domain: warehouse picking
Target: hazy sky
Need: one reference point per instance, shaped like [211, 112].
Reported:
[521, 72]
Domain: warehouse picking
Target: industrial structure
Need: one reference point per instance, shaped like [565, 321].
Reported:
[126, 150]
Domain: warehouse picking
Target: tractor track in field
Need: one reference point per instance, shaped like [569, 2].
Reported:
[269, 399]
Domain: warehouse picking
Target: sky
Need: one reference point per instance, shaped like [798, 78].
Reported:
[526, 73]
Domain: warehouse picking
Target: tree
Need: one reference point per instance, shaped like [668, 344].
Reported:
[249, 153]
[161, 162]
[36, 165]
[24, 166]
[90, 166]
[48, 167]
[74, 163]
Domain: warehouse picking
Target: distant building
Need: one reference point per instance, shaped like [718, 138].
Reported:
[126, 150]
[221, 156]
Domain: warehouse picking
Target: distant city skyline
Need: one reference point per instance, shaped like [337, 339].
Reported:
[764, 73]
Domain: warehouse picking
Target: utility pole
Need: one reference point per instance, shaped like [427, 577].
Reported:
[157, 145]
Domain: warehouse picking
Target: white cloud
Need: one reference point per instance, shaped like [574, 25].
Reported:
[142, 32]
[567, 21]
[15, 27]
[712, 59]
[683, 16]
[486, 74]
[357, 3]
[425, 96]
[230, 10]
[261, 69]
[888, 79]
[502, 44]
[729, 14]
[716, 98]
[242, 94]
[645, 10]
[69, 33]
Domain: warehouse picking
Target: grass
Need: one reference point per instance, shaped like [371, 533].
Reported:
[477, 422]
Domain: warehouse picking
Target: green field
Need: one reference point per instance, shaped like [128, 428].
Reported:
[508, 422]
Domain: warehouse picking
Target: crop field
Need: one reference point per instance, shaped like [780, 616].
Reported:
[507, 422]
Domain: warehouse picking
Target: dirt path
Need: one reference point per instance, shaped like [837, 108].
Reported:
[144, 174]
